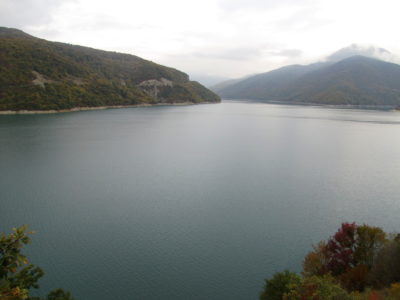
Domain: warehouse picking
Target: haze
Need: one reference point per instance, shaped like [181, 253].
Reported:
[211, 40]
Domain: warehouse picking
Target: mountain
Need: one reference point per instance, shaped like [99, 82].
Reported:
[355, 80]
[223, 84]
[270, 85]
[36, 74]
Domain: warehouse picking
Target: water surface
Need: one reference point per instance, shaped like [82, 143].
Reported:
[192, 202]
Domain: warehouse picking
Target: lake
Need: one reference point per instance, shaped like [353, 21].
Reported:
[192, 202]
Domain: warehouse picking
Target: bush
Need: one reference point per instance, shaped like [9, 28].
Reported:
[317, 288]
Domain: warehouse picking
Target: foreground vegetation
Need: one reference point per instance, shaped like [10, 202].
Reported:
[358, 262]
[36, 74]
[17, 276]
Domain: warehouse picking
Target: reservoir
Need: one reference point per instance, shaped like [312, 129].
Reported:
[192, 202]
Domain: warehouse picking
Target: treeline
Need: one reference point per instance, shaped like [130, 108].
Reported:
[36, 74]
[358, 262]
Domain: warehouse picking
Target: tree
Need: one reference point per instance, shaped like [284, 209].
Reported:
[385, 270]
[359, 262]
[348, 255]
[17, 275]
[340, 249]
[315, 261]
[279, 285]
[370, 240]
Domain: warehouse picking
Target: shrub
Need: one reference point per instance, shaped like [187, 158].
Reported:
[317, 288]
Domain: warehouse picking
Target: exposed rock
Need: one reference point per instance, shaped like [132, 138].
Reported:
[152, 86]
[40, 79]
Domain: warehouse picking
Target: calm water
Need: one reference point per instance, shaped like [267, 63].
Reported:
[192, 202]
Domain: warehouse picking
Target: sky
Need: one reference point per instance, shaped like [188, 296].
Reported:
[212, 40]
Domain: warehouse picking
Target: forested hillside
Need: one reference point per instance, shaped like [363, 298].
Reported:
[357, 80]
[36, 74]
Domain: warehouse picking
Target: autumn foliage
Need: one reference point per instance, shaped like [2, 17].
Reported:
[348, 255]
[359, 262]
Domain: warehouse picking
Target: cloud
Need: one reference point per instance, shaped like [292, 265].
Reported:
[240, 5]
[28, 13]
[231, 54]
[231, 61]
[252, 53]
[288, 53]
[364, 50]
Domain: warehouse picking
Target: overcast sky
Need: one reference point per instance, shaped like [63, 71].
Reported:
[221, 38]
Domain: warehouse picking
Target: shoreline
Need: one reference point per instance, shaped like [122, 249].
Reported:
[88, 108]
[75, 109]
[334, 106]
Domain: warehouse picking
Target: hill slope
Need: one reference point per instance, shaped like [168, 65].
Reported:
[36, 74]
[357, 80]
[270, 84]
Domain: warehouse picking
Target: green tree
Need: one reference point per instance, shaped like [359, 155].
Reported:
[17, 275]
[370, 240]
[385, 270]
[279, 285]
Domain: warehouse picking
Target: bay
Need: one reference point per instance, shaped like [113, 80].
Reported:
[192, 202]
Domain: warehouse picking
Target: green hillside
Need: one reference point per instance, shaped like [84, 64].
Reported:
[36, 74]
[270, 85]
[356, 80]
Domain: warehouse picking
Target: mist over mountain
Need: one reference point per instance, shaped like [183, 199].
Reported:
[367, 51]
[342, 79]
[36, 74]
[208, 80]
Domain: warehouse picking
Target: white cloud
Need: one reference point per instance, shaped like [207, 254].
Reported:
[27, 13]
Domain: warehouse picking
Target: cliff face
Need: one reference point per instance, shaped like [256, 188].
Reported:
[36, 74]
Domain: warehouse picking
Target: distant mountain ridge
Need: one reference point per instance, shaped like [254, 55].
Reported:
[36, 74]
[354, 80]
